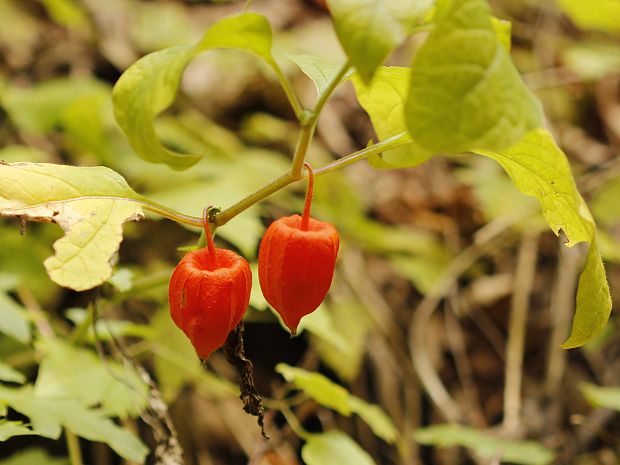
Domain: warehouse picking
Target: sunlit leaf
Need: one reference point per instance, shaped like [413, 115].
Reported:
[370, 29]
[465, 93]
[90, 205]
[150, 85]
[67, 372]
[503, 32]
[317, 386]
[48, 416]
[592, 61]
[540, 169]
[9, 429]
[321, 71]
[345, 342]
[384, 100]
[601, 15]
[599, 396]
[485, 445]
[334, 448]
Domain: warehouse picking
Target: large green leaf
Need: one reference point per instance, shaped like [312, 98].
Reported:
[67, 372]
[540, 169]
[334, 448]
[370, 29]
[89, 204]
[465, 93]
[150, 85]
[384, 100]
[485, 445]
[49, 416]
[602, 15]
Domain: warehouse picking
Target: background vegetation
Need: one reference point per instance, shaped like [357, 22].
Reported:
[444, 267]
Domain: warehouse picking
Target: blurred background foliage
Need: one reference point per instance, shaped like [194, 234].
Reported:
[452, 233]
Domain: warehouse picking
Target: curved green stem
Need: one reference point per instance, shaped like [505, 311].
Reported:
[389, 143]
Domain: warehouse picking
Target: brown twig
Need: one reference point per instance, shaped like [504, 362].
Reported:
[235, 354]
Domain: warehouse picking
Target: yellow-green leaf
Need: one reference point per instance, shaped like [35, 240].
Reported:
[370, 29]
[384, 99]
[150, 85]
[540, 169]
[464, 92]
[89, 204]
[601, 15]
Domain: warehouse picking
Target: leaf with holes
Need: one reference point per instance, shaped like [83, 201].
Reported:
[89, 204]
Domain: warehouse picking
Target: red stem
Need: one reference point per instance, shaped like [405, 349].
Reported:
[205, 221]
[305, 217]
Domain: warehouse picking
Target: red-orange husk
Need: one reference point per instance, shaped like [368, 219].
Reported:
[296, 261]
[209, 293]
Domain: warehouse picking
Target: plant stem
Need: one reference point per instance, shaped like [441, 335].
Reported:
[387, 144]
[305, 217]
[274, 186]
[288, 89]
[308, 124]
[293, 422]
[73, 444]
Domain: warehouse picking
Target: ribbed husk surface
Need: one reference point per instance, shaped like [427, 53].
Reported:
[296, 267]
[208, 296]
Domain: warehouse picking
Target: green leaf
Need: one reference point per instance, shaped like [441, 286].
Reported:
[10, 374]
[14, 321]
[540, 169]
[605, 202]
[176, 363]
[66, 13]
[49, 416]
[600, 15]
[150, 85]
[317, 386]
[33, 456]
[9, 429]
[485, 445]
[376, 418]
[321, 71]
[67, 372]
[384, 100]
[334, 448]
[503, 32]
[145, 90]
[40, 109]
[465, 93]
[599, 396]
[108, 329]
[89, 204]
[369, 30]
[334, 396]
[344, 342]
